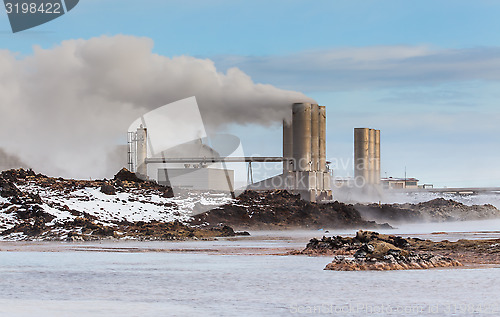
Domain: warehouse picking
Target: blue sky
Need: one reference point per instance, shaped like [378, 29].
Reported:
[424, 72]
[207, 28]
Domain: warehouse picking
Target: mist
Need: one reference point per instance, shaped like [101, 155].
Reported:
[415, 198]
[65, 109]
[9, 161]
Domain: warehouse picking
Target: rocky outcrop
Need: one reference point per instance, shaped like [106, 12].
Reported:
[8, 189]
[370, 250]
[436, 210]
[126, 175]
[24, 216]
[280, 209]
[24, 205]
[466, 251]
[108, 189]
[27, 228]
[393, 260]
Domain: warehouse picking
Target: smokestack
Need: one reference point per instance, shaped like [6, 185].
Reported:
[304, 145]
[367, 155]
[142, 152]
[377, 157]
[301, 122]
[287, 146]
[361, 153]
[322, 138]
[371, 156]
[315, 137]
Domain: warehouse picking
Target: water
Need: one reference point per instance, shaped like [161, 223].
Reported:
[173, 284]
[230, 277]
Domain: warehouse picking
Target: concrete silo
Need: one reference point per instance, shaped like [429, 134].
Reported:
[287, 147]
[301, 121]
[366, 156]
[308, 175]
[142, 152]
[314, 137]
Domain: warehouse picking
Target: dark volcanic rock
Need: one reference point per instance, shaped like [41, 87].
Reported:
[389, 213]
[359, 242]
[126, 178]
[125, 175]
[281, 209]
[175, 230]
[168, 193]
[34, 211]
[32, 220]
[26, 205]
[392, 260]
[370, 250]
[8, 189]
[436, 210]
[108, 189]
[27, 228]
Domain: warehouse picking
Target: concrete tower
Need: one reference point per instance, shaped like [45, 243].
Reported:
[142, 152]
[287, 147]
[322, 139]
[361, 154]
[376, 170]
[304, 155]
[367, 155]
[301, 136]
[315, 138]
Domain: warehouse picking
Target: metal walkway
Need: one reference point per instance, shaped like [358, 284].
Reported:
[245, 159]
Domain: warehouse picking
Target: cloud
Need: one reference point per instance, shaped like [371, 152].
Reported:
[442, 97]
[370, 67]
[65, 109]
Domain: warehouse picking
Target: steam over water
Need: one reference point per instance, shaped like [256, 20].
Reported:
[204, 283]
[480, 199]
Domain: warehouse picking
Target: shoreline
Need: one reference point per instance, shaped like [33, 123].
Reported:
[275, 243]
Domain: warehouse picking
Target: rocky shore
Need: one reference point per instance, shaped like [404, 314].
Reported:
[37, 207]
[470, 252]
[370, 250]
[279, 209]
[436, 210]
[34, 206]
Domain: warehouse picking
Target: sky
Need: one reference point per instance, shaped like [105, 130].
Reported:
[426, 73]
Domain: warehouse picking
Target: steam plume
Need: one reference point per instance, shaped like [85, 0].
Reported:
[9, 161]
[65, 109]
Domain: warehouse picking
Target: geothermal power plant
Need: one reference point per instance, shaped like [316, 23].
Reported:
[305, 167]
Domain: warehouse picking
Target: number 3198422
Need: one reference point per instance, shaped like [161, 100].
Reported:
[32, 8]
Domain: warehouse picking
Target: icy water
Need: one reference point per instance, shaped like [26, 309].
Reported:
[233, 277]
[170, 284]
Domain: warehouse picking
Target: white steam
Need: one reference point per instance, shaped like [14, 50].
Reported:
[65, 109]
[8, 161]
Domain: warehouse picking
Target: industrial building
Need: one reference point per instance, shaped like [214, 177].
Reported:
[194, 165]
[197, 178]
[186, 161]
[191, 165]
[399, 183]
